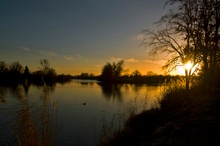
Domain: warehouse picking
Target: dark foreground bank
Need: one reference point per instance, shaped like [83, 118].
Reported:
[182, 119]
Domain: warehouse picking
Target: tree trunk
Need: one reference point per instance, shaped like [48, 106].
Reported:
[187, 79]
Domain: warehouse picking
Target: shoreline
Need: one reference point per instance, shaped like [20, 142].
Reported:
[180, 120]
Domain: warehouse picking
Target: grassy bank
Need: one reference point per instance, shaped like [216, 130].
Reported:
[183, 119]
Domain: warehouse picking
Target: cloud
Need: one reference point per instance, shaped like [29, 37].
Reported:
[47, 53]
[25, 48]
[68, 58]
[115, 59]
[148, 61]
[78, 56]
[98, 66]
[131, 60]
[158, 62]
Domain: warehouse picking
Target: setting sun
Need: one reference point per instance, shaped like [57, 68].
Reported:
[188, 65]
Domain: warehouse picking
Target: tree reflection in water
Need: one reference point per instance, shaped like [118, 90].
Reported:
[86, 83]
[137, 87]
[112, 91]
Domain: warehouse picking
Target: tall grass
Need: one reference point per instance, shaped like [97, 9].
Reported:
[34, 125]
[180, 118]
[118, 123]
[138, 121]
[173, 96]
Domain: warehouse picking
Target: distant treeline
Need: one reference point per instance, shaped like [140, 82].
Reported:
[145, 79]
[15, 73]
[152, 79]
[113, 73]
[135, 77]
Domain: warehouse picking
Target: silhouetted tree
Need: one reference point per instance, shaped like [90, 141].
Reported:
[189, 32]
[136, 73]
[45, 66]
[111, 72]
[117, 68]
[165, 41]
[26, 75]
[49, 73]
[3, 72]
[150, 73]
[84, 75]
[198, 21]
[15, 73]
[3, 66]
[107, 72]
[16, 67]
[37, 77]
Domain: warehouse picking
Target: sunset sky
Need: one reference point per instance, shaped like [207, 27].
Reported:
[79, 35]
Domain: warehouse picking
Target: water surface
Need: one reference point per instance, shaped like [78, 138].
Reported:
[73, 113]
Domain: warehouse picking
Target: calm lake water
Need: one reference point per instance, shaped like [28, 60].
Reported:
[69, 114]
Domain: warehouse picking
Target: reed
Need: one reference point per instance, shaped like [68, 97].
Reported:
[34, 125]
[118, 123]
[179, 119]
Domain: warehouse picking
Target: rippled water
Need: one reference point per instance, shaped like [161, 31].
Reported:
[68, 114]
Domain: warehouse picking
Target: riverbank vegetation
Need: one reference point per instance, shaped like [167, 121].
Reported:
[189, 114]
[178, 118]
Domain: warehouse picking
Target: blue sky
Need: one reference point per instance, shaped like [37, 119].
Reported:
[78, 35]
